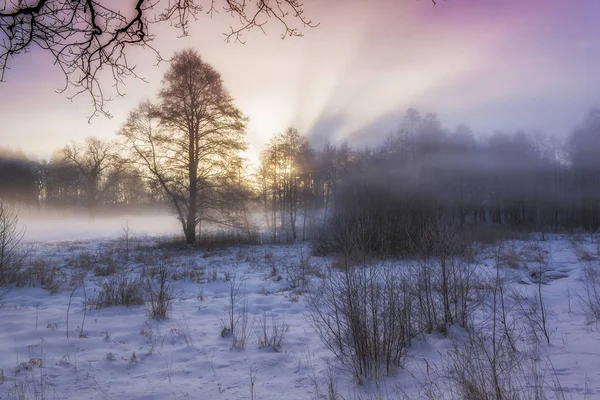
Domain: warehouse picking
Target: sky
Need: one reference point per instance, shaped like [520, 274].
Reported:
[494, 65]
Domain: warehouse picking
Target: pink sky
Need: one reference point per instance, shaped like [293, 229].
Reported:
[493, 64]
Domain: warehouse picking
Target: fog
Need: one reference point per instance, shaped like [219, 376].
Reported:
[504, 134]
[74, 225]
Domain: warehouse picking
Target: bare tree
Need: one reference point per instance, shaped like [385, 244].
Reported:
[233, 198]
[98, 165]
[286, 162]
[186, 142]
[86, 37]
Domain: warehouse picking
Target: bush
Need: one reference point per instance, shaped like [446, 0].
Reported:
[271, 335]
[297, 275]
[590, 299]
[367, 315]
[120, 290]
[445, 281]
[160, 290]
[11, 251]
[364, 315]
[489, 361]
[481, 368]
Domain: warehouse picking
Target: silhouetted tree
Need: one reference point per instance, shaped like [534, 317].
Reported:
[186, 141]
[19, 180]
[287, 164]
[234, 197]
[62, 186]
[98, 166]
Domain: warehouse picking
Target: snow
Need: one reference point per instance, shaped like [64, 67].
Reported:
[122, 353]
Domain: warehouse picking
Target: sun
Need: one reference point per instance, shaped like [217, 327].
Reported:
[267, 117]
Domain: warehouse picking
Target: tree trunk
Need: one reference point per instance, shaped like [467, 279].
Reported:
[190, 228]
[190, 232]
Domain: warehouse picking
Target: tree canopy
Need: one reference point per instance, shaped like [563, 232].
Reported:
[187, 141]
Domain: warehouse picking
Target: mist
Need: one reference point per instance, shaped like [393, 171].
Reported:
[74, 225]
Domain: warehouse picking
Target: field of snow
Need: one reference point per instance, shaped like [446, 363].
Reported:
[54, 347]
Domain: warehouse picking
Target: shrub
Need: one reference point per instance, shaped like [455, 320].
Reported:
[120, 290]
[590, 298]
[297, 274]
[364, 315]
[160, 290]
[445, 281]
[271, 334]
[11, 251]
[482, 367]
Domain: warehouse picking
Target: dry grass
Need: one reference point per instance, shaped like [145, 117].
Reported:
[120, 290]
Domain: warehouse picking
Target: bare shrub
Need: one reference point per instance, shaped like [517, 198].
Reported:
[235, 295]
[104, 262]
[446, 281]
[235, 322]
[126, 241]
[12, 253]
[106, 266]
[120, 290]
[511, 257]
[503, 310]
[183, 332]
[40, 272]
[160, 290]
[583, 254]
[271, 334]
[297, 274]
[590, 298]
[364, 316]
[483, 367]
[241, 330]
[252, 375]
[31, 381]
[485, 362]
[85, 260]
[533, 308]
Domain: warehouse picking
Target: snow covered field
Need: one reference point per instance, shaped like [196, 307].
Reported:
[54, 347]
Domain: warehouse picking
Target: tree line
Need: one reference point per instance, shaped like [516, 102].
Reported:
[383, 195]
[90, 175]
[185, 150]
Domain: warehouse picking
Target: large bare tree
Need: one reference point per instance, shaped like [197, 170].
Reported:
[186, 141]
[86, 37]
